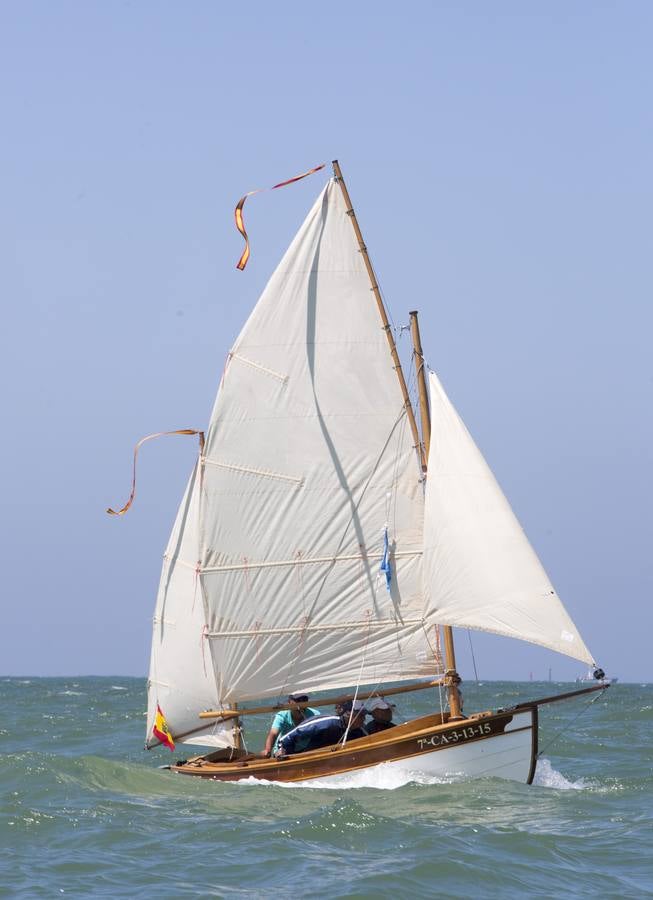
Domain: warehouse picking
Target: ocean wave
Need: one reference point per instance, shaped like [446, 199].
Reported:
[382, 777]
[547, 776]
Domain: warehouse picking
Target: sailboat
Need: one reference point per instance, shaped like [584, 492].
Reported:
[588, 676]
[327, 538]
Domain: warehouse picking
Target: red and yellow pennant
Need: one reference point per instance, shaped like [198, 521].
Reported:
[240, 224]
[161, 731]
[123, 510]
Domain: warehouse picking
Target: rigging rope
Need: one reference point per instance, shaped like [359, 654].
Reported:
[573, 719]
[471, 647]
[343, 739]
[240, 728]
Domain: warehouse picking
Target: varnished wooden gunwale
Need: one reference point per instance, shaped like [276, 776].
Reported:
[555, 698]
[412, 739]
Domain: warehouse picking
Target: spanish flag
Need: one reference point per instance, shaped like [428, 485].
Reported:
[161, 731]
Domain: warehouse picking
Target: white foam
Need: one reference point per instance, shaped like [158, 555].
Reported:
[388, 778]
[547, 776]
[381, 777]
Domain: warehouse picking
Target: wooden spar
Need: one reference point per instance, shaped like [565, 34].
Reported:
[382, 312]
[451, 675]
[603, 686]
[327, 701]
[452, 678]
[418, 358]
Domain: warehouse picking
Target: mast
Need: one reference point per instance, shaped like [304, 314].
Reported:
[452, 678]
[418, 360]
[384, 316]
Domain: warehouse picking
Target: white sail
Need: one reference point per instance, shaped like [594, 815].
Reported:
[480, 570]
[181, 674]
[308, 456]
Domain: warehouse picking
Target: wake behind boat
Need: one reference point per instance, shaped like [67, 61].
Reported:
[327, 539]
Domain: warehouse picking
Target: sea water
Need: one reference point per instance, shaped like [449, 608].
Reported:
[85, 811]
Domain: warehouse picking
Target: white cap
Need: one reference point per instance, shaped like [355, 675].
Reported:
[378, 703]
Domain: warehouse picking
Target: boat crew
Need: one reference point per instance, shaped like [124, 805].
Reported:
[288, 719]
[322, 731]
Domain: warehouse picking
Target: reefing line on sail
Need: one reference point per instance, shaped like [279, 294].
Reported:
[297, 562]
[249, 362]
[246, 470]
[334, 626]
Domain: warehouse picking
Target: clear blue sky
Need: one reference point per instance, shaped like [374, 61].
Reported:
[499, 157]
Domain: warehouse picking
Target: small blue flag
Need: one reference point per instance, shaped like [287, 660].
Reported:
[385, 560]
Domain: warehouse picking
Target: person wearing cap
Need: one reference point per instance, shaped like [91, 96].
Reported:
[288, 719]
[381, 712]
[322, 731]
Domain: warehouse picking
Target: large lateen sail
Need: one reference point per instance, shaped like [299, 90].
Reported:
[480, 570]
[272, 581]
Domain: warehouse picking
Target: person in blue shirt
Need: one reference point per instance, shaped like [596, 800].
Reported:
[288, 719]
[322, 731]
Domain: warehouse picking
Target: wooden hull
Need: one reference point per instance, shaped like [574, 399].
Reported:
[501, 744]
